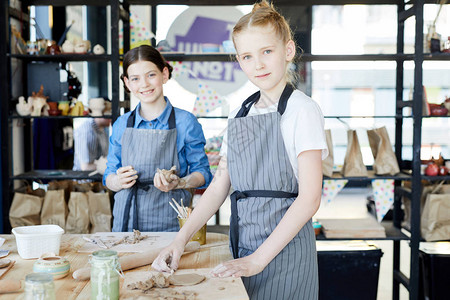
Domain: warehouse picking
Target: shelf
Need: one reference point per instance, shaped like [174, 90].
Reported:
[57, 175]
[435, 178]
[68, 2]
[62, 57]
[447, 116]
[57, 117]
[436, 56]
[392, 233]
[180, 56]
[371, 176]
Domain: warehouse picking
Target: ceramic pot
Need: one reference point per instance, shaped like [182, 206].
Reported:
[53, 105]
[57, 266]
[96, 105]
[64, 107]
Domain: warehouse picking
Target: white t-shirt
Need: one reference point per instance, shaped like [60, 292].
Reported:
[302, 127]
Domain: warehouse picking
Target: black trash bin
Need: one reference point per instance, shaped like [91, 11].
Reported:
[435, 266]
[348, 271]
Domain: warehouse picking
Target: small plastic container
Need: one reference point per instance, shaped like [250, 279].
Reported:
[33, 241]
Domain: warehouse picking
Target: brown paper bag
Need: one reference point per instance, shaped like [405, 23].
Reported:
[99, 209]
[54, 209]
[26, 207]
[353, 161]
[78, 218]
[426, 189]
[435, 219]
[327, 163]
[385, 161]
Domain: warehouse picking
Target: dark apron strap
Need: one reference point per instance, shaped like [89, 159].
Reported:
[247, 104]
[144, 185]
[234, 225]
[171, 122]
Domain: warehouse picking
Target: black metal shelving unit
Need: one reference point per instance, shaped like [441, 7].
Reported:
[7, 56]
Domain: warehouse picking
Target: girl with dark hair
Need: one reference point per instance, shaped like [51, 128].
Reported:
[153, 136]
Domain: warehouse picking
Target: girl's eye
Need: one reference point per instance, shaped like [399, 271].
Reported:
[151, 75]
[245, 57]
[267, 51]
[134, 79]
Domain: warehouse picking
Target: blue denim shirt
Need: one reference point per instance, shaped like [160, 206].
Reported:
[190, 141]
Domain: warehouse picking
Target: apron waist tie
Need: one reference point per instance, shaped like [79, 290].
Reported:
[144, 185]
[235, 196]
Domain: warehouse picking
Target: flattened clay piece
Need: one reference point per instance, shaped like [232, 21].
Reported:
[4, 263]
[186, 279]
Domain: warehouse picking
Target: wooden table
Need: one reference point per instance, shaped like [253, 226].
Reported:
[208, 256]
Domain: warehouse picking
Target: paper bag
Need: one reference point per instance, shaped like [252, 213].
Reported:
[353, 161]
[99, 209]
[26, 207]
[435, 219]
[78, 218]
[385, 161]
[407, 203]
[327, 163]
[54, 209]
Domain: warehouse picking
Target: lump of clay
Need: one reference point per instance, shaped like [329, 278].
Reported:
[167, 173]
[186, 279]
[160, 280]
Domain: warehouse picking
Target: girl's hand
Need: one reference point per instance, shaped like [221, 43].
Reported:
[161, 183]
[245, 266]
[126, 177]
[169, 257]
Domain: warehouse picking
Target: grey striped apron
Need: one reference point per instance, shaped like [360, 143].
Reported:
[143, 206]
[265, 187]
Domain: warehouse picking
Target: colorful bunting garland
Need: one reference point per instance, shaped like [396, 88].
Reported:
[383, 192]
[331, 188]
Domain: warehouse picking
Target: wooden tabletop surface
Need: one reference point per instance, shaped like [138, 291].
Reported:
[208, 256]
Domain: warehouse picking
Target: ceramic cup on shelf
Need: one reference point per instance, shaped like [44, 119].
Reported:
[56, 266]
[96, 105]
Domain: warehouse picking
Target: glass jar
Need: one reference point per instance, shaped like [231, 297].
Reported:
[39, 286]
[105, 271]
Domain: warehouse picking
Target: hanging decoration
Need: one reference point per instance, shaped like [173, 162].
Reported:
[207, 100]
[178, 68]
[383, 192]
[331, 188]
[139, 34]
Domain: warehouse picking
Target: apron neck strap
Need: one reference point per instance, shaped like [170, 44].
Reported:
[132, 118]
[282, 103]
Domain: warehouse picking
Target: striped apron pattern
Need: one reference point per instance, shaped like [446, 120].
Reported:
[143, 206]
[265, 187]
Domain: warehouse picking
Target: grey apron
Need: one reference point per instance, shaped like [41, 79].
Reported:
[143, 206]
[265, 187]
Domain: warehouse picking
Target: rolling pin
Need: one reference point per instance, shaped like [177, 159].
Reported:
[10, 285]
[134, 260]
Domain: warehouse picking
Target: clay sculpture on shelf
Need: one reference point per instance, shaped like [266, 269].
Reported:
[39, 103]
[24, 108]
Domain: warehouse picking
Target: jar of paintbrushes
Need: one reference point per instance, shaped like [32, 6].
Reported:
[183, 214]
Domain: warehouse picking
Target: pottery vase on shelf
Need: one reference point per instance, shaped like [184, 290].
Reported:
[96, 105]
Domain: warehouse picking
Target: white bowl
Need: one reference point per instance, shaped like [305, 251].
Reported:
[33, 241]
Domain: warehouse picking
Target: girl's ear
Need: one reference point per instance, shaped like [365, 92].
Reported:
[290, 50]
[127, 82]
[165, 73]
